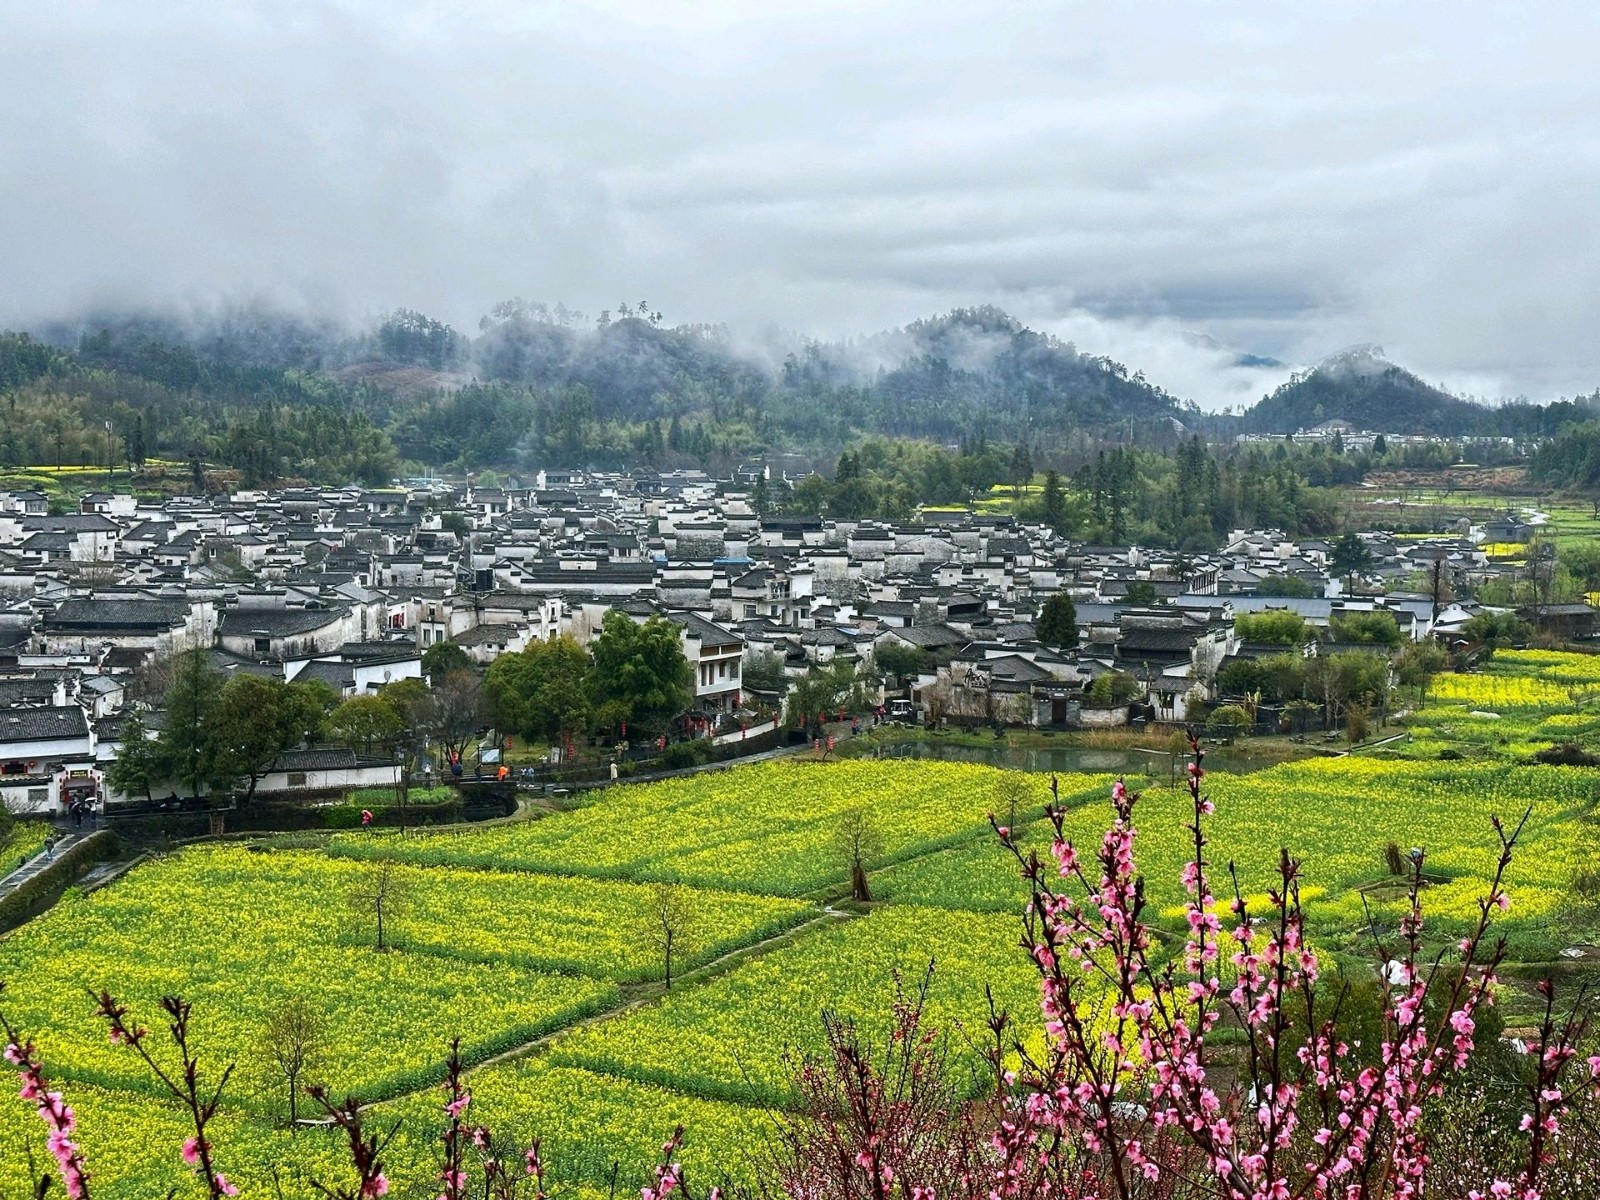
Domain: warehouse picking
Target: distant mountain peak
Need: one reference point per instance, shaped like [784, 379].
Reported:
[1360, 385]
[1365, 358]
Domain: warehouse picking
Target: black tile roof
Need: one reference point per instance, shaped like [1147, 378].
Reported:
[108, 614]
[43, 724]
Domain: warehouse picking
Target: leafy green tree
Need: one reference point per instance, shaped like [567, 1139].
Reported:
[821, 690]
[1366, 629]
[407, 697]
[763, 672]
[1054, 505]
[899, 660]
[1142, 592]
[1058, 622]
[1272, 626]
[640, 672]
[1114, 689]
[1275, 677]
[439, 659]
[543, 691]
[255, 719]
[1417, 664]
[1240, 677]
[368, 724]
[1281, 676]
[1494, 629]
[1347, 678]
[1582, 561]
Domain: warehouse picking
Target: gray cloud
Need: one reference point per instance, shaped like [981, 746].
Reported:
[1175, 185]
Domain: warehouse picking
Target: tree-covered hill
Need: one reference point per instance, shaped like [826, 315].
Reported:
[545, 385]
[1362, 387]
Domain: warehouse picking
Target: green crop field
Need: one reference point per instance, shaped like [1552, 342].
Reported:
[768, 828]
[529, 937]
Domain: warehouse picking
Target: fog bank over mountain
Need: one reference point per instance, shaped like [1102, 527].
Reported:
[1183, 188]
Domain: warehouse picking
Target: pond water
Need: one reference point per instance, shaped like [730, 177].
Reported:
[1068, 759]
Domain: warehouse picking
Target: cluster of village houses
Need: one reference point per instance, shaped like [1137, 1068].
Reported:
[352, 586]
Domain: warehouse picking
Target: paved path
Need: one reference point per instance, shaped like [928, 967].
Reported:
[62, 843]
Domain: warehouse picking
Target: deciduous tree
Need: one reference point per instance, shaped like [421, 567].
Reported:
[381, 896]
[640, 672]
[667, 923]
[292, 1045]
[858, 843]
[544, 690]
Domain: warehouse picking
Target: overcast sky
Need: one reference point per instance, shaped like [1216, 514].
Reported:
[1174, 185]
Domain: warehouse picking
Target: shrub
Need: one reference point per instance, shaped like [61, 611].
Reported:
[1228, 720]
[686, 754]
[1356, 724]
[1566, 754]
[1273, 625]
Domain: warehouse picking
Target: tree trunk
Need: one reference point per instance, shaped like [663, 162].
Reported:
[858, 882]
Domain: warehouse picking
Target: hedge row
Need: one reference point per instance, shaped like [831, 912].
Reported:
[71, 864]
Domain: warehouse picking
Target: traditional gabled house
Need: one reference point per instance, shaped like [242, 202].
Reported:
[485, 643]
[326, 770]
[90, 624]
[359, 668]
[92, 536]
[280, 634]
[716, 656]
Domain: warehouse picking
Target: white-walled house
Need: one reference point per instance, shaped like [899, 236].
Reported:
[327, 770]
[132, 620]
[47, 759]
[287, 633]
[716, 656]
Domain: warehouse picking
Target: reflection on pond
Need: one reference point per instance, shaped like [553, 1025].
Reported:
[1089, 760]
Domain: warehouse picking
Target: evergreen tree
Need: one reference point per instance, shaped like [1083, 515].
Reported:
[1054, 505]
[187, 752]
[1058, 622]
[138, 767]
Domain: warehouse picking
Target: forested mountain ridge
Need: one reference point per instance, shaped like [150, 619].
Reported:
[283, 397]
[542, 385]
